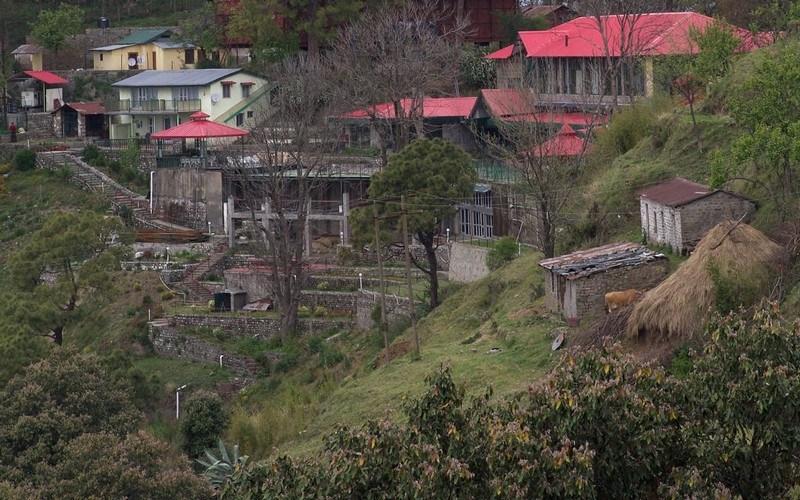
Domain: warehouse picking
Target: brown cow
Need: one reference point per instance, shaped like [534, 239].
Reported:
[615, 300]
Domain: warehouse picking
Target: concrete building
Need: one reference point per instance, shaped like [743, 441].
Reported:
[677, 213]
[145, 49]
[152, 101]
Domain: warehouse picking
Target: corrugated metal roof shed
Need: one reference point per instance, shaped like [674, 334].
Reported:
[178, 77]
[675, 192]
[27, 48]
[599, 259]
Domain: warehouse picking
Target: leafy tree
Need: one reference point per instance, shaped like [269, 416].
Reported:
[55, 401]
[64, 262]
[203, 422]
[476, 72]
[53, 26]
[434, 176]
[133, 466]
[201, 28]
[766, 105]
[513, 22]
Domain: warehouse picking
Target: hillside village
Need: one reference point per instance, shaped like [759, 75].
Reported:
[265, 255]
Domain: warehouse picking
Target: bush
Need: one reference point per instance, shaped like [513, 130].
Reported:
[24, 160]
[167, 295]
[320, 311]
[203, 422]
[91, 153]
[324, 286]
[503, 251]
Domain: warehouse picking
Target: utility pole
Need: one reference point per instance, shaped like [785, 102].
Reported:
[384, 323]
[406, 245]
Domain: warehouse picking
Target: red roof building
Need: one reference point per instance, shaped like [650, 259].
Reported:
[571, 60]
[566, 143]
[678, 212]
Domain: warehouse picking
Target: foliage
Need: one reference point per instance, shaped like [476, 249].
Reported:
[133, 466]
[203, 421]
[219, 470]
[716, 45]
[513, 22]
[201, 28]
[53, 26]
[628, 127]
[74, 250]
[24, 160]
[503, 251]
[433, 175]
[56, 401]
[477, 72]
[767, 105]
[599, 425]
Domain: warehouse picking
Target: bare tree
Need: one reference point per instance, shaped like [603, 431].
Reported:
[625, 35]
[546, 157]
[398, 55]
[277, 183]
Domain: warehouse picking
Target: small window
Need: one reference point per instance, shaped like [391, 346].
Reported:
[249, 114]
[226, 90]
[245, 91]
[101, 56]
[189, 56]
[239, 120]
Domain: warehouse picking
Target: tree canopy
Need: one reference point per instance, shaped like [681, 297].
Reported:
[434, 176]
[65, 261]
[53, 26]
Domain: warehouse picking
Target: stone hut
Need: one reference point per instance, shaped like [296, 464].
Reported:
[679, 212]
[576, 283]
[79, 119]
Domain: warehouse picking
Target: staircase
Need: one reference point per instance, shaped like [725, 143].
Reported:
[195, 290]
[95, 180]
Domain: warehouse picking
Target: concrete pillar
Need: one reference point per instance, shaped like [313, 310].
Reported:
[231, 227]
[345, 221]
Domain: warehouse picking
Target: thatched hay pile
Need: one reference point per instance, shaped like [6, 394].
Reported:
[680, 306]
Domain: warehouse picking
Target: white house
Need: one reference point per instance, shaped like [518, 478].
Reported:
[679, 212]
[152, 101]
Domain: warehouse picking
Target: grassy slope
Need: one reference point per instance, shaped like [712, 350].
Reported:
[502, 310]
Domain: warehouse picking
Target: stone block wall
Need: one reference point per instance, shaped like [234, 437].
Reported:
[585, 297]
[170, 343]
[367, 301]
[332, 301]
[467, 262]
[257, 327]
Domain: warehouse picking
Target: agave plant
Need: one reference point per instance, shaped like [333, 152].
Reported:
[219, 469]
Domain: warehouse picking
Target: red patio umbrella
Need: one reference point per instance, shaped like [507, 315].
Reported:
[200, 127]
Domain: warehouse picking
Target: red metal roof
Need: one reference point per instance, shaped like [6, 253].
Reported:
[503, 53]
[565, 143]
[676, 192]
[46, 77]
[665, 33]
[432, 107]
[503, 102]
[200, 127]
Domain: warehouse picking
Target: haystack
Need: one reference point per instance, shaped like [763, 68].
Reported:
[681, 305]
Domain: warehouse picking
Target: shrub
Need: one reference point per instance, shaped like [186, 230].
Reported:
[203, 422]
[91, 153]
[303, 312]
[24, 160]
[147, 300]
[320, 311]
[324, 286]
[167, 295]
[503, 251]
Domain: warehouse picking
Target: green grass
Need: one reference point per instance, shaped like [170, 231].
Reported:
[175, 373]
[501, 311]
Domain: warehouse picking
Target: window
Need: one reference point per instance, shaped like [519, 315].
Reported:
[185, 93]
[150, 124]
[245, 91]
[249, 114]
[189, 56]
[167, 122]
[239, 120]
[226, 89]
[101, 56]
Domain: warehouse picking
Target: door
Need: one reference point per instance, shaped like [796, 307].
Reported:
[154, 60]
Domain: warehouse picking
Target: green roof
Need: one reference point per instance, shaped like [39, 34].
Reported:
[144, 36]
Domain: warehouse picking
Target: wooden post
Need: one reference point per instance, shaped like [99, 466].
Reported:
[384, 322]
[411, 308]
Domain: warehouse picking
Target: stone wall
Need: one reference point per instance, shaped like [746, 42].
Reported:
[585, 297]
[170, 343]
[366, 301]
[467, 262]
[255, 327]
[332, 301]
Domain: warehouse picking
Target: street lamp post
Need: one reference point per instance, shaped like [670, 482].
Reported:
[178, 401]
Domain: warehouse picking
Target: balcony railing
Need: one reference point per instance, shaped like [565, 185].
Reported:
[152, 106]
[497, 172]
